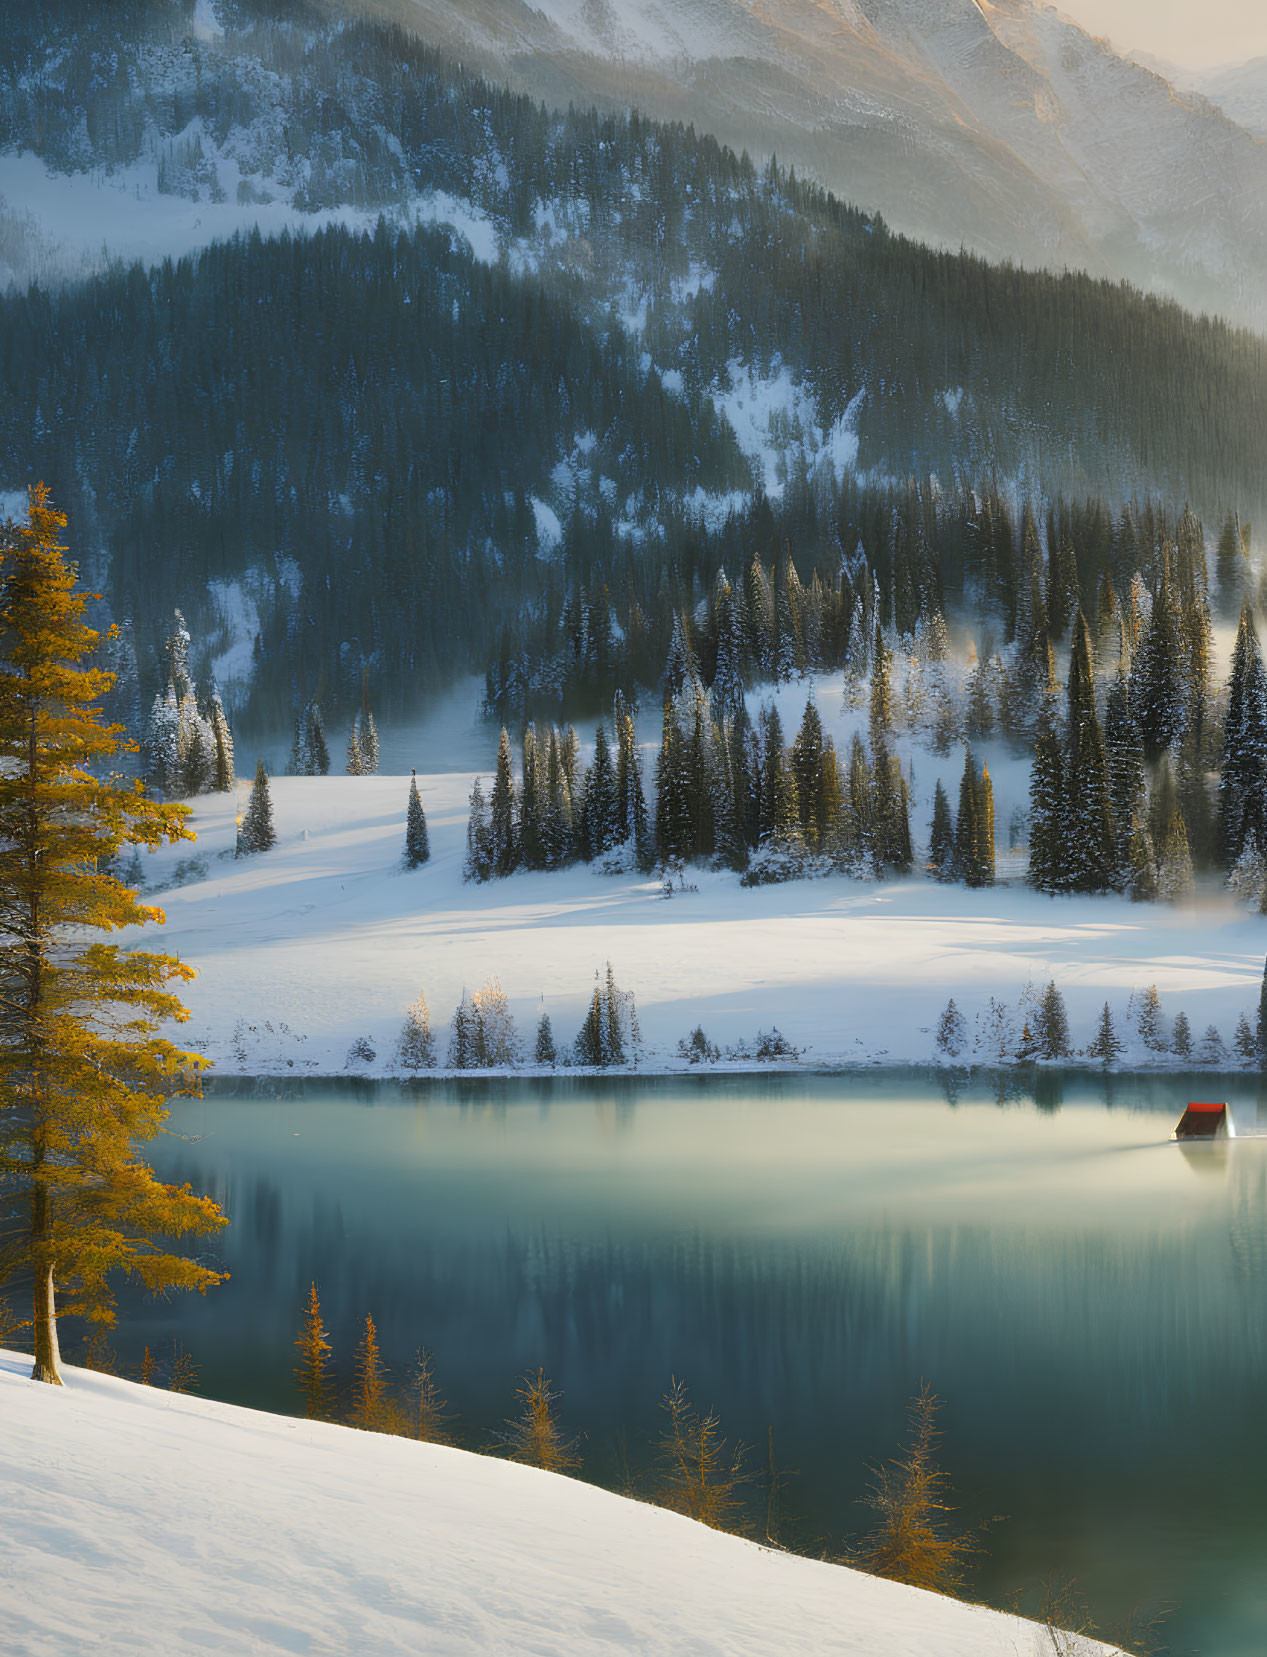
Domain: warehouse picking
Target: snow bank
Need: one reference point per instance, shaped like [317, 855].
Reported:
[140, 1520]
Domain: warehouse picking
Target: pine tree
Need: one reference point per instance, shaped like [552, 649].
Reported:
[601, 807]
[417, 844]
[1107, 1045]
[807, 771]
[479, 838]
[534, 1436]
[84, 1079]
[367, 732]
[881, 694]
[317, 751]
[312, 1374]
[968, 827]
[1051, 1025]
[257, 833]
[545, 1052]
[428, 1410]
[1260, 1030]
[1212, 1048]
[1174, 871]
[1181, 1037]
[1157, 688]
[985, 827]
[222, 773]
[355, 766]
[502, 839]
[463, 1048]
[1243, 781]
[1088, 820]
[1148, 1020]
[1124, 757]
[910, 1542]
[631, 803]
[702, 1472]
[371, 1404]
[1047, 867]
[1245, 1041]
[416, 1048]
[952, 1032]
[534, 804]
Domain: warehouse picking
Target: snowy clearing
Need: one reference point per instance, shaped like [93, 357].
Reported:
[325, 940]
[138, 1519]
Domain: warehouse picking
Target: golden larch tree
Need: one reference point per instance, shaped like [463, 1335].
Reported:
[312, 1373]
[84, 1076]
[535, 1436]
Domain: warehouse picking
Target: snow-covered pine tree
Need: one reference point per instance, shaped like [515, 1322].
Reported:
[1107, 1045]
[417, 841]
[297, 763]
[1088, 819]
[195, 747]
[463, 1042]
[589, 1040]
[862, 839]
[1124, 757]
[831, 813]
[1243, 780]
[545, 1052]
[881, 694]
[257, 833]
[601, 808]
[673, 809]
[1142, 872]
[479, 838]
[533, 804]
[1156, 679]
[416, 1048]
[222, 770]
[941, 838]
[556, 831]
[1245, 1041]
[1174, 869]
[355, 765]
[894, 850]
[985, 826]
[807, 770]
[952, 1032]
[1148, 1020]
[317, 751]
[631, 802]
[1047, 868]
[726, 693]
[494, 1037]
[1051, 1024]
[967, 828]
[502, 836]
[1260, 1028]
[1212, 1050]
[162, 743]
[368, 731]
[781, 816]
[1181, 1037]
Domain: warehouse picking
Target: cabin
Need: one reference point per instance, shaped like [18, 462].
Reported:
[1204, 1122]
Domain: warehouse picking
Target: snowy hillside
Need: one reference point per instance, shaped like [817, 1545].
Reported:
[138, 1520]
[1003, 126]
[325, 940]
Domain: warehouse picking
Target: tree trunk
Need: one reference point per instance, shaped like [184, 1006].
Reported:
[48, 1358]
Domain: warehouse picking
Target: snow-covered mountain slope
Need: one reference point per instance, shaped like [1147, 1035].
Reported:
[999, 124]
[136, 1520]
[1240, 91]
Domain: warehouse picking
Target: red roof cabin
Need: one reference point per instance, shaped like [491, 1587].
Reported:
[1204, 1122]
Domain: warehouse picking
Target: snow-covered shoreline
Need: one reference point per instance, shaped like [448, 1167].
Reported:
[142, 1520]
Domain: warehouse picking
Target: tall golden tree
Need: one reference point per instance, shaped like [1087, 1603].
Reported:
[312, 1373]
[84, 1076]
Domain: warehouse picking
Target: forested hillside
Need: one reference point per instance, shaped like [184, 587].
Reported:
[380, 451]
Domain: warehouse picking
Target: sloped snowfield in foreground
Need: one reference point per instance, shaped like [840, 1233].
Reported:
[138, 1521]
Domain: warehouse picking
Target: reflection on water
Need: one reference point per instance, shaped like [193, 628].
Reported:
[1088, 1298]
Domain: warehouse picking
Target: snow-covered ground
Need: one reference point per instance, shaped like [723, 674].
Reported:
[136, 1520]
[325, 940]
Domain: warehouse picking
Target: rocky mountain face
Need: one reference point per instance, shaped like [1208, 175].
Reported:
[995, 124]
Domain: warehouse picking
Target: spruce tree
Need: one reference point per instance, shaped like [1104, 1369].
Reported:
[1157, 687]
[1181, 1037]
[416, 1048]
[1243, 780]
[601, 807]
[417, 844]
[257, 833]
[673, 826]
[807, 769]
[312, 1373]
[355, 765]
[367, 732]
[84, 1078]
[631, 803]
[317, 749]
[1047, 850]
[502, 837]
[1260, 1031]
[1245, 1041]
[1124, 756]
[222, 771]
[1174, 869]
[1148, 1020]
[1107, 1045]
[967, 826]
[952, 1032]
[545, 1052]
[1052, 1025]
[479, 837]
[941, 838]
[1088, 820]
[881, 694]
[985, 827]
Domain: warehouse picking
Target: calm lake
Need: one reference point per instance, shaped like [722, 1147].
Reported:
[1088, 1299]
